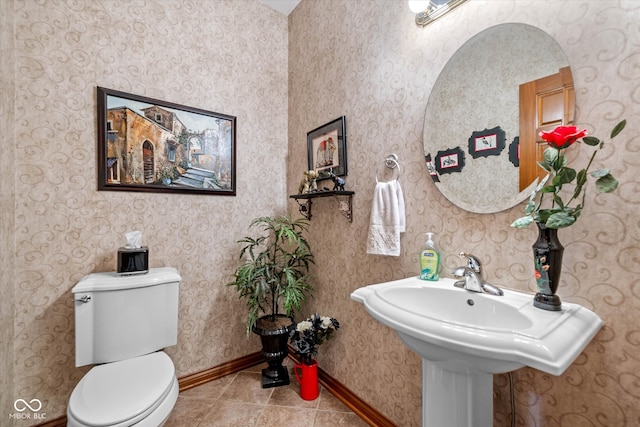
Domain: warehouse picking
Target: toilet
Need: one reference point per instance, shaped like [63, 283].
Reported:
[122, 324]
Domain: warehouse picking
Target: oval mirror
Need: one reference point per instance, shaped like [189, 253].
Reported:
[475, 145]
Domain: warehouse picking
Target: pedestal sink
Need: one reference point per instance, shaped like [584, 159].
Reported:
[465, 337]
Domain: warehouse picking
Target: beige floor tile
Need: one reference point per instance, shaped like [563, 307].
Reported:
[226, 413]
[286, 416]
[238, 400]
[247, 387]
[290, 396]
[210, 390]
[332, 419]
[329, 402]
[189, 412]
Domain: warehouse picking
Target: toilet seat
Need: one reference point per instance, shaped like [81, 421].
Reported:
[123, 393]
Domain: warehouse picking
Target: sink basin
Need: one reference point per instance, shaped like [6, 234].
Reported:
[445, 303]
[464, 337]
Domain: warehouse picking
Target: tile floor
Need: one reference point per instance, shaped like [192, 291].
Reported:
[238, 400]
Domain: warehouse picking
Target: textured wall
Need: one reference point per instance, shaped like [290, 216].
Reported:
[364, 59]
[367, 60]
[211, 55]
[7, 202]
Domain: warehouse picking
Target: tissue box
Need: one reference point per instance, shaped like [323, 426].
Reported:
[133, 261]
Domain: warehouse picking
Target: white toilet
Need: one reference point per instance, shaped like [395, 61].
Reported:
[121, 324]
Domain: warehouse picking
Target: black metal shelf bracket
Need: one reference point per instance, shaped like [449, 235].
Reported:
[304, 208]
[344, 199]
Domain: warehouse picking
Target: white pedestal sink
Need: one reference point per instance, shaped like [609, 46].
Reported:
[466, 337]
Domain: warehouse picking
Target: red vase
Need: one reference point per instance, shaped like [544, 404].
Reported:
[307, 376]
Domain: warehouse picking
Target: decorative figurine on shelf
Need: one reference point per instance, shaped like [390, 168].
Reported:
[338, 183]
[308, 183]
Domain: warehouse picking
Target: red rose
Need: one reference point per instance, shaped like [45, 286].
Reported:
[563, 136]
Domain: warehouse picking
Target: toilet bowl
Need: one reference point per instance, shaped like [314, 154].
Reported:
[122, 325]
[140, 391]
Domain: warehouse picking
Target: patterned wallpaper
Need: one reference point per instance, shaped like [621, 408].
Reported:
[367, 60]
[7, 202]
[361, 58]
[213, 55]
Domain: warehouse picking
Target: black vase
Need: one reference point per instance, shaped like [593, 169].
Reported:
[547, 257]
[275, 350]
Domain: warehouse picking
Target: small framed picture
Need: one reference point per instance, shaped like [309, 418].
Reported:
[449, 161]
[514, 151]
[488, 142]
[327, 149]
[431, 168]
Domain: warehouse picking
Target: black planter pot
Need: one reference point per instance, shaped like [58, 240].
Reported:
[547, 256]
[275, 350]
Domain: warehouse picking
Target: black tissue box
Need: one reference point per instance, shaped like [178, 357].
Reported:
[133, 261]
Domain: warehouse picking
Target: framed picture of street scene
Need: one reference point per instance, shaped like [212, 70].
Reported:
[149, 145]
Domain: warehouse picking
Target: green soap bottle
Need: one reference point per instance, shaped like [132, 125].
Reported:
[429, 260]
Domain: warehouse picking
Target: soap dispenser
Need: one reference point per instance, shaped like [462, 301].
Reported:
[429, 260]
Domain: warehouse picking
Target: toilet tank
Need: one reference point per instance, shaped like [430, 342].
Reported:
[120, 317]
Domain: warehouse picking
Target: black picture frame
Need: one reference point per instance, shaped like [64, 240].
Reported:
[431, 168]
[449, 161]
[514, 151]
[327, 149]
[145, 144]
[487, 142]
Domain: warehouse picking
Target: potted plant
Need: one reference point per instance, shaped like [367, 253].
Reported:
[273, 280]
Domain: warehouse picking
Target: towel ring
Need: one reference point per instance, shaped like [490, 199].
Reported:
[391, 162]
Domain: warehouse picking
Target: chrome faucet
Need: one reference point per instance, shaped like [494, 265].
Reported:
[472, 262]
[473, 279]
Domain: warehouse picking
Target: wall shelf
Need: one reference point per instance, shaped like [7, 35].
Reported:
[343, 198]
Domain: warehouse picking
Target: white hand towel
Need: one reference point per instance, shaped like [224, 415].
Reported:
[387, 219]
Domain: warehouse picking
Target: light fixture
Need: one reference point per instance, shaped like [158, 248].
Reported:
[418, 6]
[428, 11]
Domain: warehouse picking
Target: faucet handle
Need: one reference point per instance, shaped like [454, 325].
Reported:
[472, 280]
[472, 262]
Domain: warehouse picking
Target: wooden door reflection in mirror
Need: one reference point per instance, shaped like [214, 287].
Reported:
[545, 103]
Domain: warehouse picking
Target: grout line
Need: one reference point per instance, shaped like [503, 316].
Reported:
[235, 375]
[260, 416]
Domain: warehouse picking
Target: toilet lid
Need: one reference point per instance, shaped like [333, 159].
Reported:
[113, 393]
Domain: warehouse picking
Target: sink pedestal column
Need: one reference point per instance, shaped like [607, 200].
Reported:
[455, 399]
